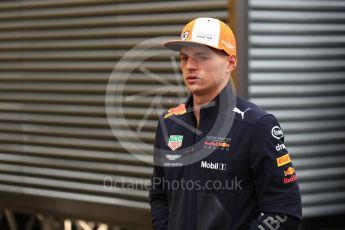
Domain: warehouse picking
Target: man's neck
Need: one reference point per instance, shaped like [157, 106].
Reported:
[204, 99]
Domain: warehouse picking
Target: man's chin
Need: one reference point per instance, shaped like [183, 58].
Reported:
[197, 90]
[193, 88]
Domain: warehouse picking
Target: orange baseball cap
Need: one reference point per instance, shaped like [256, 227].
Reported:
[206, 31]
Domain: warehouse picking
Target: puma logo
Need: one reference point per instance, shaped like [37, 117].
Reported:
[237, 110]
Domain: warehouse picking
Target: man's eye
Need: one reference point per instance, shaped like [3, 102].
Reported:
[203, 58]
[184, 58]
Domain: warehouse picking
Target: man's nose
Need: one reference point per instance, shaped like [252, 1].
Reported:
[191, 63]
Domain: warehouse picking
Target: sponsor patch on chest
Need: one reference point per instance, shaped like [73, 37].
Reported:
[175, 142]
[220, 143]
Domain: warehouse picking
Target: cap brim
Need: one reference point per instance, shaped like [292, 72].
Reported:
[176, 45]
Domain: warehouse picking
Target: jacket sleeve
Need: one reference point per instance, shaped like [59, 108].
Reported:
[158, 195]
[274, 177]
[276, 222]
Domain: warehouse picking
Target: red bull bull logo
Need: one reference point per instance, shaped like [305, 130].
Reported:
[289, 172]
[179, 110]
[224, 145]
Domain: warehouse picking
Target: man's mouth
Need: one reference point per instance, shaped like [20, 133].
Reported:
[192, 79]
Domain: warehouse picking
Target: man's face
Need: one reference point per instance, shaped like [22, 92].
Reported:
[205, 70]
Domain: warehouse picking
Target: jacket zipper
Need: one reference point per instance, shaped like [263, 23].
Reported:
[191, 200]
[190, 192]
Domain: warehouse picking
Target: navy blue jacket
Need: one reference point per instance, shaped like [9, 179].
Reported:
[232, 171]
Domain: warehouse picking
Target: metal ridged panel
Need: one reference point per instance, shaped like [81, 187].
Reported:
[296, 71]
[56, 58]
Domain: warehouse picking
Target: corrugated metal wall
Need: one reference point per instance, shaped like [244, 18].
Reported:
[56, 145]
[297, 71]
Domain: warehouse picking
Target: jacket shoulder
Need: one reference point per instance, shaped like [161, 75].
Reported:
[248, 112]
[177, 111]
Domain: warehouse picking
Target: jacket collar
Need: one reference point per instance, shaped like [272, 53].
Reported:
[224, 101]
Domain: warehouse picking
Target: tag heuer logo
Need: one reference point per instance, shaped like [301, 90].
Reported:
[175, 142]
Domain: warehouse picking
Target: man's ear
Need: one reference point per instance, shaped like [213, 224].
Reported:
[232, 63]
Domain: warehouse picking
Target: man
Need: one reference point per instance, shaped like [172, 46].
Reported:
[220, 161]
